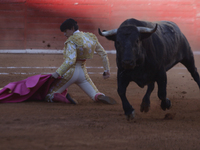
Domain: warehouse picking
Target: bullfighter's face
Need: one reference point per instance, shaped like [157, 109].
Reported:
[128, 46]
[68, 32]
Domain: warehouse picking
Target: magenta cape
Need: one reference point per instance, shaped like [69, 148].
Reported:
[33, 88]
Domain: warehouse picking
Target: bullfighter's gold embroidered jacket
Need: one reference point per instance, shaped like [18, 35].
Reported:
[81, 46]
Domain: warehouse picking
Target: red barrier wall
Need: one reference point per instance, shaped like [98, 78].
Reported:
[34, 24]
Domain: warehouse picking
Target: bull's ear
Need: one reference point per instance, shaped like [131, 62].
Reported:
[144, 35]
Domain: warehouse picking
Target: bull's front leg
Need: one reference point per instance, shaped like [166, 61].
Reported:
[146, 99]
[122, 86]
[162, 86]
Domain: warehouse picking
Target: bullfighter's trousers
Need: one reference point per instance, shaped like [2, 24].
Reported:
[79, 77]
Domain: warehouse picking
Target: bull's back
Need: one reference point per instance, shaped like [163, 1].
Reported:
[175, 46]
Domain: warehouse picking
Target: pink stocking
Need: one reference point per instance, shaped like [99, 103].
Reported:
[97, 96]
[64, 92]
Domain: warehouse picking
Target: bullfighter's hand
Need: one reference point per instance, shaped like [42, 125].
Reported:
[55, 75]
[106, 74]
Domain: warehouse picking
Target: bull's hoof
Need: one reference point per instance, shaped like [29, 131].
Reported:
[130, 116]
[144, 107]
[165, 104]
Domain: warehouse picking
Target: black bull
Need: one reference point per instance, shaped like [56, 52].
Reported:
[145, 51]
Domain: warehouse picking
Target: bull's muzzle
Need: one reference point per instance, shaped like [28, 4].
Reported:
[128, 64]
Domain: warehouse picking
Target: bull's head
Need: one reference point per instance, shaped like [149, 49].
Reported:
[128, 44]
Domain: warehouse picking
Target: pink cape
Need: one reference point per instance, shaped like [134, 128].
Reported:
[33, 88]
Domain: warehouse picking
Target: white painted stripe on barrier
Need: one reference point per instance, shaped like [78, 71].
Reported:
[32, 51]
[34, 73]
[90, 67]
[196, 52]
[29, 73]
[27, 67]
[97, 72]
[40, 51]
[46, 51]
[12, 67]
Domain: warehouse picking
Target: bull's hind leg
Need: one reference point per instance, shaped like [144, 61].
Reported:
[190, 65]
[146, 99]
[162, 86]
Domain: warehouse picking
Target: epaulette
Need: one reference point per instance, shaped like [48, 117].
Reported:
[91, 35]
[76, 39]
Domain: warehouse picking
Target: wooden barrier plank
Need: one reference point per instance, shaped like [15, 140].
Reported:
[44, 37]
[48, 20]
[74, 2]
[57, 26]
[45, 45]
[11, 37]
[42, 26]
[39, 20]
[163, 2]
[12, 7]
[138, 14]
[86, 11]
[12, 44]
[53, 8]
[156, 7]
[12, 22]
[11, 34]
[108, 45]
[5, 14]
[12, 1]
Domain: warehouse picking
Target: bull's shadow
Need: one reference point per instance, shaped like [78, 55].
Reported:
[145, 52]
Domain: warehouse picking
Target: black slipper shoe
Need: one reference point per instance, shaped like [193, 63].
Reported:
[73, 101]
[106, 99]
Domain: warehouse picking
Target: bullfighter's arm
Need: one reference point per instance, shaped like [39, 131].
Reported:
[70, 54]
[100, 51]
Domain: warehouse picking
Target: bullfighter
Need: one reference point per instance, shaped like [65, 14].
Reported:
[79, 47]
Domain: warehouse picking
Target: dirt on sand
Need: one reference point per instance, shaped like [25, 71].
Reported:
[90, 125]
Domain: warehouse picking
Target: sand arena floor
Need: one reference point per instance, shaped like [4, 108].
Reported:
[89, 125]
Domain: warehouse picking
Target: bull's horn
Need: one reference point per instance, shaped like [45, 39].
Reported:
[108, 33]
[146, 30]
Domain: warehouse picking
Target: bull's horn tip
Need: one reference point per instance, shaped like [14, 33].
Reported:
[156, 26]
[100, 33]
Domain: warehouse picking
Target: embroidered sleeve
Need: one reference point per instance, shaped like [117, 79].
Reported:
[70, 55]
[100, 51]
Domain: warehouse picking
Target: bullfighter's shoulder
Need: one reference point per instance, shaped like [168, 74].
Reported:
[91, 35]
[76, 39]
